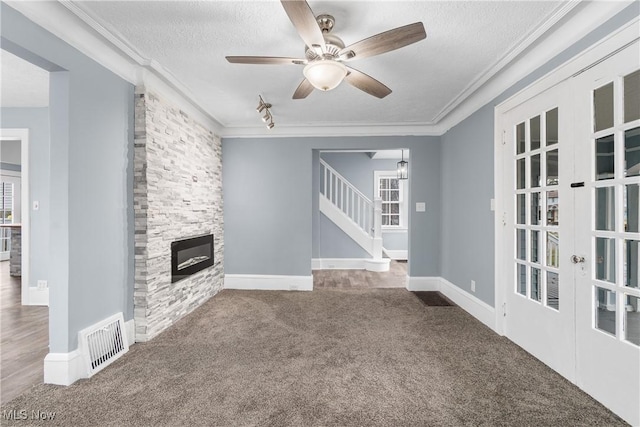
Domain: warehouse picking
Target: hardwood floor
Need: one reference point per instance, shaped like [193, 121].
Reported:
[396, 277]
[24, 339]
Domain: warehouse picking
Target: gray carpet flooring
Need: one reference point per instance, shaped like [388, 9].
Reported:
[346, 357]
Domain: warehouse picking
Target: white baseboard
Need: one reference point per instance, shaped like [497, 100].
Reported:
[268, 282]
[396, 253]
[368, 264]
[130, 329]
[64, 368]
[469, 303]
[38, 296]
[423, 283]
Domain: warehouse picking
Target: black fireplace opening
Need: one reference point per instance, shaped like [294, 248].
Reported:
[189, 256]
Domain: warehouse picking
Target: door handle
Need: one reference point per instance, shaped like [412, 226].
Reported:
[577, 259]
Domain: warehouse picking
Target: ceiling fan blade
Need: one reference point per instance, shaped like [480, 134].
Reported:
[304, 20]
[264, 60]
[303, 90]
[366, 83]
[384, 42]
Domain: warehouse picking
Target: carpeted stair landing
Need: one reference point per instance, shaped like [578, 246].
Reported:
[324, 358]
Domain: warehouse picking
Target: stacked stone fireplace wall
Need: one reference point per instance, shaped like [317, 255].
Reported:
[177, 195]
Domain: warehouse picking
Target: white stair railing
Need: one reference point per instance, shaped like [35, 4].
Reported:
[343, 195]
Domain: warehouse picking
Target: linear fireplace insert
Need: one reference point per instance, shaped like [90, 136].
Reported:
[189, 256]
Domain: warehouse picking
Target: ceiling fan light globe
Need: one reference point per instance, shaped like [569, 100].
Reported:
[326, 74]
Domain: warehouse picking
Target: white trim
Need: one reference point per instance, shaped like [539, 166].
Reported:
[268, 282]
[23, 136]
[584, 18]
[568, 24]
[396, 254]
[469, 303]
[626, 34]
[423, 283]
[130, 329]
[337, 263]
[64, 368]
[500, 64]
[334, 130]
[38, 296]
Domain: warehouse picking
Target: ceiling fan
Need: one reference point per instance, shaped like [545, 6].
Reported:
[325, 53]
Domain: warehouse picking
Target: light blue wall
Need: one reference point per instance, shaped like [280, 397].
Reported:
[335, 243]
[269, 210]
[467, 179]
[357, 168]
[91, 192]
[37, 121]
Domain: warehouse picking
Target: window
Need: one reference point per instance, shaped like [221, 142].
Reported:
[391, 190]
[6, 214]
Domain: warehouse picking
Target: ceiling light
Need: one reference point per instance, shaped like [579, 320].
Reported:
[271, 125]
[403, 168]
[325, 74]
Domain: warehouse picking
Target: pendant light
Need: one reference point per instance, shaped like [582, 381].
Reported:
[403, 168]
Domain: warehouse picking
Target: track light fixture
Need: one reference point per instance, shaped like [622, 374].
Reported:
[267, 118]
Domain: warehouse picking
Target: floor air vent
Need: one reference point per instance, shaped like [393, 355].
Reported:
[103, 343]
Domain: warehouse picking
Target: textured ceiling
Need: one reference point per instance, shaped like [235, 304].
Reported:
[22, 84]
[191, 39]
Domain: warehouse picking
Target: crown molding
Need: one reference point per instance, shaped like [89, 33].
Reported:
[568, 24]
[283, 131]
[576, 23]
[493, 69]
[70, 23]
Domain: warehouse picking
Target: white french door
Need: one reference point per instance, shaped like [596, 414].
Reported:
[538, 166]
[571, 242]
[607, 221]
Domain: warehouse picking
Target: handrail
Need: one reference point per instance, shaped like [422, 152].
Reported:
[345, 180]
[348, 199]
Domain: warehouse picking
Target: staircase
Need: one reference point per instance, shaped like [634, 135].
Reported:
[356, 215]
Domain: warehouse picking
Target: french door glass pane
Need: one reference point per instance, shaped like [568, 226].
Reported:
[521, 244]
[553, 211]
[521, 203]
[632, 319]
[536, 208]
[603, 107]
[632, 152]
[630, 263]
[522, 280]
[605, 208]
[535, 284]
[520, 171]
[605, 310]
[535, 171]
[606, 259]
[552, 167]
[632, 208]
[520, 138]
[605, 157]
[553, 252]
[535, 246]
[534, 128]
[553, 290]
[632, 97]
[552, 126]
